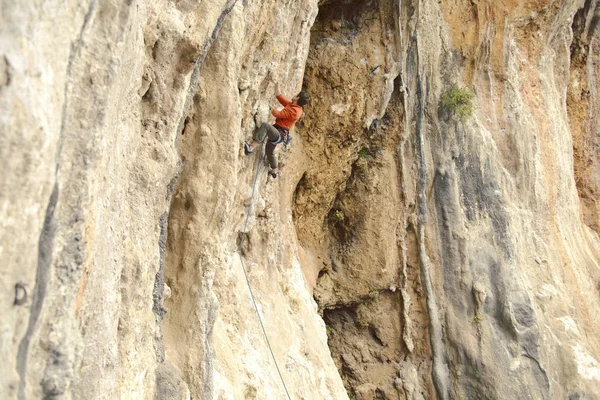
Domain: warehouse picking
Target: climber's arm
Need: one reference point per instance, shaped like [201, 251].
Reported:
[283, 100]
[286, 113]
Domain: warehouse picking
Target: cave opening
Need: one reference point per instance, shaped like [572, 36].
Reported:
[343, 20]
[344, 14]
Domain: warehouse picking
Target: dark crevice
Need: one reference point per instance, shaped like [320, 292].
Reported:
[302, 188]
[579, 102]
[5, 72]
[147, 96]
[159, 280]
[185, 124]
[45, 244]
[541, 377]
[375, 336]
[595, 20]
[343, 225]
[347, 370]
[193, 88]
[155, 50]
[75, 49]
[343, 19]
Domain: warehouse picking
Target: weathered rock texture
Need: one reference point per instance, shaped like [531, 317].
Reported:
[487, 208]
[211, 331]
[421, 255]
[96, 100]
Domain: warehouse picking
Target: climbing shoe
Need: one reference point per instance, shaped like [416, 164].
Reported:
[247, 150]
[273, 173]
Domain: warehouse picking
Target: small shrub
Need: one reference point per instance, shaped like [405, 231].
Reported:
[362, 321]
[338, 216]
[363, 153]
[459, 102]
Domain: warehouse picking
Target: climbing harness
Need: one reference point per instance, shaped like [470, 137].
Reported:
[284, 135]
[258, 168]
[287, 139]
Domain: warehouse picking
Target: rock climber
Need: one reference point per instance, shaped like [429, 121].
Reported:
[285, 120]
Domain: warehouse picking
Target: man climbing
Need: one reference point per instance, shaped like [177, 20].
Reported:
[285, 120]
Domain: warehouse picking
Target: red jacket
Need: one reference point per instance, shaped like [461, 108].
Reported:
[287, 117]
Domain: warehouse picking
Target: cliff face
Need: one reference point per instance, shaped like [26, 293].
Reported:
[401, 253]
[498, 212]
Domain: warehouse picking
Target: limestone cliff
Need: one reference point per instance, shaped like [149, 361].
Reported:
[402, 252]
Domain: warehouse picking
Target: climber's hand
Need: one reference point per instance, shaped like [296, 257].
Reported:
[277, 91]
[273, 173]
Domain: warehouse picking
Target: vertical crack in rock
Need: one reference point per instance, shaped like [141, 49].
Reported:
[75, 50]
[440, 370]
[168, 381]
[403, 276]
[194, 79]
[583, 109]
[595, 20]
[158, 293]
[159, 282]
[171, 373]
[542, 380]
[42, 278]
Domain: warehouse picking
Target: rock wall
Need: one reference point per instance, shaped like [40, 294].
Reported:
[506, 300]
[211, 331]
[401, 253]
[100, 96]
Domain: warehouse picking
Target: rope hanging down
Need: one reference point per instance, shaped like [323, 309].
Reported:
[258, 168]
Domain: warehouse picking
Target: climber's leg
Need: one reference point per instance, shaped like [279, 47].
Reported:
[270, 151]
[265, 129]
[273, 138]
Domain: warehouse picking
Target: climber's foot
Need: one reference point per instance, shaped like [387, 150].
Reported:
[247, 149]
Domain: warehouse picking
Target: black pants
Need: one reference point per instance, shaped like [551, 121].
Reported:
[272, 136]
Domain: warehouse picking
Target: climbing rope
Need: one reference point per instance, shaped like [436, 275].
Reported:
[258, 168]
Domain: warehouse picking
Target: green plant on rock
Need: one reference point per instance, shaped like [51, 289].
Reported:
[329, 330]
[338, 216]
[361, 321]
[459, 102]
[363, 153]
